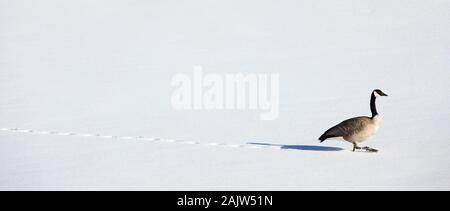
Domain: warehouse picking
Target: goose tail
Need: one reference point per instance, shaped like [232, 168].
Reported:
[326, 135]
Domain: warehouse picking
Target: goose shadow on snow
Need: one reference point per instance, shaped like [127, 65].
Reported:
[300, 147]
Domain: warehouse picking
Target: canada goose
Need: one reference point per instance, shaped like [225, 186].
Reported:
[358, 129]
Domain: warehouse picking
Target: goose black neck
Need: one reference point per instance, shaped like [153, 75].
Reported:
[373, 106]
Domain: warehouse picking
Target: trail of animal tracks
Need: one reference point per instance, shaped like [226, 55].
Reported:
[85, 95]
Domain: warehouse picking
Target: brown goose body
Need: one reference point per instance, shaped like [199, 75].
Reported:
[354, 130]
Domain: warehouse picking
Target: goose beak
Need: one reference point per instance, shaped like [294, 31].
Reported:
[383, 94]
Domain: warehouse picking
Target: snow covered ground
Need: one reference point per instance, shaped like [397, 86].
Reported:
[105, 67]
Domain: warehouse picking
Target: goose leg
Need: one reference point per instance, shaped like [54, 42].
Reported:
[355, 147]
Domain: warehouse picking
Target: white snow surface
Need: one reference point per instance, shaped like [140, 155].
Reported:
[104, 67]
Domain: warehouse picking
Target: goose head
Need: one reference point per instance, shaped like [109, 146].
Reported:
[379, 93]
